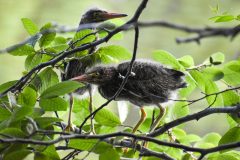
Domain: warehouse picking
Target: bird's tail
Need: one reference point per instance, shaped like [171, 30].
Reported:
[179, 78]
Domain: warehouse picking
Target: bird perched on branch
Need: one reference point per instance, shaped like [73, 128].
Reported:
[149, 84]
[78, 66]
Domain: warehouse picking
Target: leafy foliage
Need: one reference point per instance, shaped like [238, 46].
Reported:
[30, 26]
[29, 112]
[60, 89]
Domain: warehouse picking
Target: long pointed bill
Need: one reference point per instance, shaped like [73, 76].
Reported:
[113, 15]
[82, 78]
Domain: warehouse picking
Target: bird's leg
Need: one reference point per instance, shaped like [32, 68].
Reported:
[92, 130]
[156, 122]
[69, 126]
[158, 119]
[142, 119]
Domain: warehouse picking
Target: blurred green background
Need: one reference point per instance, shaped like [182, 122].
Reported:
[187, 12]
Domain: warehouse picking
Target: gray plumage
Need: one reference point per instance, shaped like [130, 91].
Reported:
[150, 83]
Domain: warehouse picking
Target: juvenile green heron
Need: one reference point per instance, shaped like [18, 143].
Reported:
[149, 84]
[77, 67]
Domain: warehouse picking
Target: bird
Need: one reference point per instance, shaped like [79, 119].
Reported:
[77, 67]
[149, 83]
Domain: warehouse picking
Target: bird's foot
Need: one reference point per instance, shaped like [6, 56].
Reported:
[131, 142]
[69, 128]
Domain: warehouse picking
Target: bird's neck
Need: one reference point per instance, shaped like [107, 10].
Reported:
[86, 22]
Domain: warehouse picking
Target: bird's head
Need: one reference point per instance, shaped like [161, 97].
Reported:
[97, 15]
[97, 75]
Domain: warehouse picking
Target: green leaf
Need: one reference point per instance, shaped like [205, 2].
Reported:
[109, 154]
[37, 112]
[232, 123]
[113, 53]
[231, 72]
[27, 97]
[204, 145]
[235, 117]
[57, 48]
[5, 114]
[217, 58]
[30, 26]
[47, 37]
[7, 85]
[61, 89]
[230, 98]
[83, 144]
[213, 73]
[101, 147]
[215, 100]
[20, 113]
[199, 79]
[40, 156]
[212, 138]
[224, 156]
[107, 118]
[105, 129]
[80, 36]
[22, 50]
[174, 152]
[106, 59]
[32, 61]
[58, 44]
[208, 87]
[187, 61]
[59, 40]
[18, 155]
[179, 133]
[80, 110]
[224, 18]
[15, 132]
[47, 78]
[81, 105]
[232, 135]
[51, 152]
[180, 109]
[238, 17]
[53, 104]
[166, 58]
[190, 138]
[184, 92]
[44, 122]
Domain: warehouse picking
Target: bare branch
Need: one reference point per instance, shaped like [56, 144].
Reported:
[195, 116]
[201, 33]
[202, 151]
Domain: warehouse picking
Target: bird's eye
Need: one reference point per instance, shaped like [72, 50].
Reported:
[97, 73]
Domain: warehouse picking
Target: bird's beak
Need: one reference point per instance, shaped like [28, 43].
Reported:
[82, 78]
[113, 15]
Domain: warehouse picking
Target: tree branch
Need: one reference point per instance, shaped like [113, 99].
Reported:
[201, 33]
[195, 116]
[104, 137]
